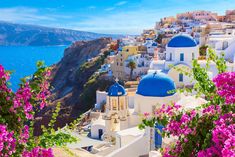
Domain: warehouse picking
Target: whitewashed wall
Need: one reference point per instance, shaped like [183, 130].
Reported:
[146, 104]
[133, 149]
[100, 97]
[95, 130]
[174, 74]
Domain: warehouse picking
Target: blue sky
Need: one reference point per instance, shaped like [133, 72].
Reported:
[102, 16]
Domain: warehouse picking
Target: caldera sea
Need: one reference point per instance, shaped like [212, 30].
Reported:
[22, 59]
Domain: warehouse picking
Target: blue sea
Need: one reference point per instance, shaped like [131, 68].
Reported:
[22, 59]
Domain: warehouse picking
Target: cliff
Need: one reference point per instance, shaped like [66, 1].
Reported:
[75, 81]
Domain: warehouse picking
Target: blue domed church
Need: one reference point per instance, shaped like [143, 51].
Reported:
[181, 50]
[154, 90]
[124, 108]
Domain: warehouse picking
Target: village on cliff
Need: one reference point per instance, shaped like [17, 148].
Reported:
[144, 68]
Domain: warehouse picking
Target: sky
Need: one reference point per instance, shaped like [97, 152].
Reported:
[103, 16]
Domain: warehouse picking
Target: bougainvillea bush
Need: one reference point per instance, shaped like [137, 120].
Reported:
[207, 131]
[17, 110]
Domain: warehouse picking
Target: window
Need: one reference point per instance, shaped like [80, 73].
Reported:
[121, 64]
[181, 77]
[182, 57]
[170, 56]
[193, 57]
[117, 63]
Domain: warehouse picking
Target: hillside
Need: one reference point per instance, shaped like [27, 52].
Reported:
[75, 82]
[29, 35]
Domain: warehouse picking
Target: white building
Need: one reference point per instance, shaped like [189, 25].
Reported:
[100, 99]
[130, 41]
[151, 46]
[223, 43]
[142, 62]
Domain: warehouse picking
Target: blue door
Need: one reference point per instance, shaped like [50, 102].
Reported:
[158, 137]
[100, 133]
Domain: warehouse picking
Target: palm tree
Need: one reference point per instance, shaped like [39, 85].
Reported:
[132, 66]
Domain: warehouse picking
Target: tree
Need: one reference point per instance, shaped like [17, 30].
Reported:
[132, 66]
[202, 50]
[159, 38]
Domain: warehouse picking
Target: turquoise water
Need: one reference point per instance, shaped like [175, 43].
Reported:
[22, 59]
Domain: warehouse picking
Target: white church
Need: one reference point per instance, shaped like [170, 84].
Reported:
[181, 50]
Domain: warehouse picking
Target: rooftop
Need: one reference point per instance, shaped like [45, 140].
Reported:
[182, 40]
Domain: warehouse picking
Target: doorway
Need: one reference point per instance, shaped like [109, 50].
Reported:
[100, 131]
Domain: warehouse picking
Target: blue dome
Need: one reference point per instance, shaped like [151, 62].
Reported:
[116, 90]
[154, 44]
[156, 85]
[182, 40]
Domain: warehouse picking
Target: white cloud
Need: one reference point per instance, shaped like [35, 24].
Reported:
[22, 14]
[131, 22]
[109, 9]
[92, 7]
[121, 3]
[116, 5]
[29, 15]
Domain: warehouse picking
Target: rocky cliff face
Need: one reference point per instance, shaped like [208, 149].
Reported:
[65, 72]
[73, 76]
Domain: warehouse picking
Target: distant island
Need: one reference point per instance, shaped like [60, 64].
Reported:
[12, 34]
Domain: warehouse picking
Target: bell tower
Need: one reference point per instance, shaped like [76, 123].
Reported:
[116, 112]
